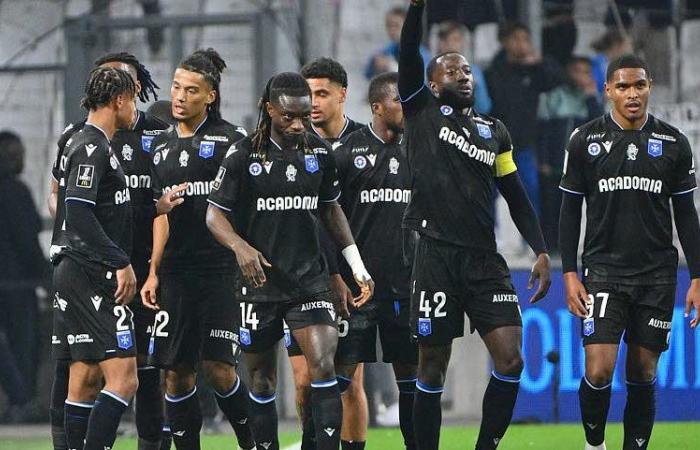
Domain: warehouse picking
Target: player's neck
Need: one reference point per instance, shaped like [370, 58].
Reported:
[105, 120]
[332, 129]
[627, 124]
[383, 133]
[281, 142]
[188, 127]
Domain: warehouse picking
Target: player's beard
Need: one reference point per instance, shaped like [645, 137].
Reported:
[452, 97]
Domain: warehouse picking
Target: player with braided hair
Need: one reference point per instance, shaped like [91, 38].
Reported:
[266, 203]
[196, 319]
[93, 278]
[145, 84]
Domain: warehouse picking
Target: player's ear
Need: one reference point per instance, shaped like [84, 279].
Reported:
[343, 94]
[607, 88]
[376, 108]
[138, 87]
[433, 87]
[269, 108]
[211, 96]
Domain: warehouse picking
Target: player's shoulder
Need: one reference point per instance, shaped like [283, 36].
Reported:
[151, 124]
[86, 143]
[220, 130]
[358, 138]
[68, 133]
[591, 131]
[353, 126]
[664, 131]
[320, 147]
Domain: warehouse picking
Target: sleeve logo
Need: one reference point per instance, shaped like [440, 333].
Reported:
[85, 175]
[219, 178]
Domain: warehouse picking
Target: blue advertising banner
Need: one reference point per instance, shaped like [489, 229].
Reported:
[548, 326]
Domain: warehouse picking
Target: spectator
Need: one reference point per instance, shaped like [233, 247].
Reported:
[516, 78]
[387, 59]
[561, 110]
[22, 268]
[451, 38]
[609, 46]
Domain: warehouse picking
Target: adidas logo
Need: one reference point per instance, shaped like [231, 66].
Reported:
[640, 442]
[179, 433]
[329, 431]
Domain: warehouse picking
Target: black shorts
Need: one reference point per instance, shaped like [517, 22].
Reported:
[263, 324]
[59, 346]
[449, 281]
[642, 313]
[143, 324]
[198, 320]
[94, 326]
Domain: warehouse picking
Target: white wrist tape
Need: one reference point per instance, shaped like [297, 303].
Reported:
[354, 260]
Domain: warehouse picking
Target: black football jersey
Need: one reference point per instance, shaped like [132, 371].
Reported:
[194, 160]
[376, 188]
[350, 127]
[628, 178]
[93, 175]
[454, 159]
[274, 200]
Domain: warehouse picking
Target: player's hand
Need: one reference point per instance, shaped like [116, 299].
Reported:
[540, 271]
[692, 300]
[342, 293]
[576, 295]
[171, 199]
[366, 290]
[126, 285]
[251, 263]
[149, 297]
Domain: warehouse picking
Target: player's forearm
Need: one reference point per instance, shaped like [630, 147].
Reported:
[221, 228]
[522, 212]
[161, 233]
[336, 224]
[570, 230]
[80, 218]
[688, 227]
[53, 198]
[329, 251]
[411, 68]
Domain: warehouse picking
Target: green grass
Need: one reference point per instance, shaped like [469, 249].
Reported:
[667, 436]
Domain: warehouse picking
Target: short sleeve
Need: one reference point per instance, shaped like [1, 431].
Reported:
[572, 179]
[684, 171]
[330, 184]
[342, 157]
[504, 164]
[87, 163]
[227, 183]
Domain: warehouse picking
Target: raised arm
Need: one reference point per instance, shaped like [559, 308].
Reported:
[411, 65]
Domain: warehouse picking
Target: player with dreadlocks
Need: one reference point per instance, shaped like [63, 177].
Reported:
[268, 198]
[197, 317]
[132, 147]
[94, 278]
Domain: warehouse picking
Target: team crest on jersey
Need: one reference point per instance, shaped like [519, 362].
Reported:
[360, 162]
[446, 110]
[588, 326]
[219, 178]
[632, 151]
[484, 130]
[146, 142]
[393, 166]
[425, 326]
[245, 336]
[255, 169]
[127, 152]
[85, 175]
[206, 149]
[124, 339]
[113, 162]
[311, 163]
[291, 173]
[287, 338]
[594, 149]
[184, 158]
[655, 148]
[156, 159]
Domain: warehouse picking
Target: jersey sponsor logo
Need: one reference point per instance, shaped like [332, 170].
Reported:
[124, 339]
[655, 148]
[306, 202]
[153, 132]
[632, 151]
[156, 159]
[311, 163]
[322, 150]
[607, 145]
[219, 178]
[360, 149]
[223, 334]
[113, 162]
[372, 159]
[505, 298]
[138, 181]
[82, 338]
[594, 136]
[90, 149]
[484, 130]
[215, 138]
[588, 326]
[594, 149]
[360, 162]
[425, 326]
[482, 120]
[385, 195]
[393, 166]
[255, 169]
[127, 152]
[194, 188]
[86, 173]
[206, 149]
[291, 173]
[452, 137]
[446, 110]
[231, 150]
[319, 304]
[628, 183]
[663, 137]
[660, 324]
[122, 196]
[184, 158]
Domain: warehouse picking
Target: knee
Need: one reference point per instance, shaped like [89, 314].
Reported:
[323, 369]
[511, 366]
[641, 374]
[599, 376]
[128, 386]
[263, 384]
[179, 382]
[219, 375]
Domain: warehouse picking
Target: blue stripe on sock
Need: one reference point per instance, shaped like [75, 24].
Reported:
[340, 377]
[324, 384]
[231, 391]
[429, 389]
[597, 388]
[262, 400]
[506, 378]
[174, 399]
